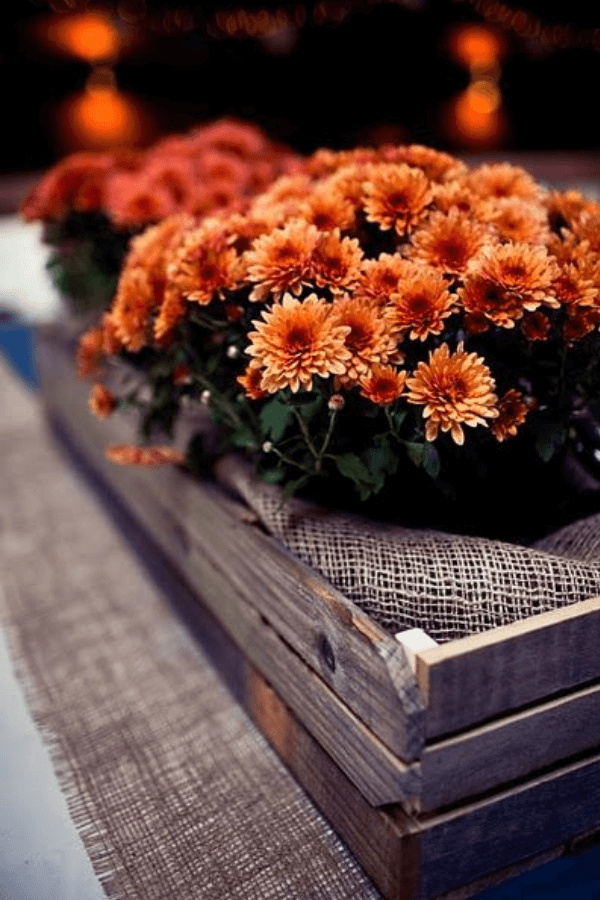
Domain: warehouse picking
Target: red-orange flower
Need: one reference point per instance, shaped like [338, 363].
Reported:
[383, 385]
[505, 280]
[327, 209]
[565, 207]
[449, 241]
[279, 262]
[503, 180]
[132, 455]
[90, 353]
[367, 340]
[516, 220]
[436, 165]
[203, 266]
[454, 389]
[296, 341]
[102, 401]
[535, 326]
[335, 261]
[421, 304]
[395, 196]
[512, 412]
[251, 381]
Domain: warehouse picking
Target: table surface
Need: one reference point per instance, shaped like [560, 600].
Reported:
[42, 856]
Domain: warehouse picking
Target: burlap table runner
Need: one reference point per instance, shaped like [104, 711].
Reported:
[174, 792]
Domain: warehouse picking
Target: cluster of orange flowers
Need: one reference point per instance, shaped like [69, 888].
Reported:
[216, 167]
[374, 269]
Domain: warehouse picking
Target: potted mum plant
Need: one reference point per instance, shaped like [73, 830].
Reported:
[384, 330]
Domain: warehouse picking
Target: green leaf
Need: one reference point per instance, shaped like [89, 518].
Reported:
[244, 439]
[275, 417]
[415, 452]
[381, 462]
[273, 476]
[351, 466]
[431, 460]
[292, 487]
[549, 439]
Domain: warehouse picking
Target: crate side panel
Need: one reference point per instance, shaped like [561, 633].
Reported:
[476, 678]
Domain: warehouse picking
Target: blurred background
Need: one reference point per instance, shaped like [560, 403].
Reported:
[462, 75]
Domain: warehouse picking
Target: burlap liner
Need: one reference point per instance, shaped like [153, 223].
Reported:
[175, 794]
[448, 585]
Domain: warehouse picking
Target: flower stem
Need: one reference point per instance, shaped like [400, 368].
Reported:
[326, 441]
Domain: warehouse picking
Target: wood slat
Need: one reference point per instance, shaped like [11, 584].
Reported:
[363, 665]
[475, 678]
[510, 748]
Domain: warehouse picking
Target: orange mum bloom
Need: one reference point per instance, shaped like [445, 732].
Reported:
[535, 326]
[455, 390]
[449, 241]
[77, 182]
[506, 280]
[367, 339]
[436, 165]
[203, 266]
[327, 209]
[102, 401]
[90, 353]
[251, 381]
[573, 288]
[132, 455]
[516, 220]
[141, 284]
[503, 180]
[421, 304]
[383, 385]
[335, 261]
[587, 228]
[296, 341]
[279, 262]
[456, 193]
[512, 412]
[565, 207]
[380, 277]
[395, 196]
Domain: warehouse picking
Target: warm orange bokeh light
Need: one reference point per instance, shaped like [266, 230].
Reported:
[476, 46]
[90, 36]
[476, 118]
[101, 117]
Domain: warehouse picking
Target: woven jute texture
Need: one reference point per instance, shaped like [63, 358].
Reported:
[448, 585]
[176, 795]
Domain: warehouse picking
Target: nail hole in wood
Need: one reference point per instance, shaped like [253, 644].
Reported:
[327, 653]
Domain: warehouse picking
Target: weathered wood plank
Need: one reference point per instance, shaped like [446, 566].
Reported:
[481, 676]
[473, 840]
[365, 667]
[510, 748]
[373, 769]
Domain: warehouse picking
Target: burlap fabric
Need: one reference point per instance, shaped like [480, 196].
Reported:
[175, 793]
[449, 585]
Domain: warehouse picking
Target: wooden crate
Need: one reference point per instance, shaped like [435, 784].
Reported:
[444, 768]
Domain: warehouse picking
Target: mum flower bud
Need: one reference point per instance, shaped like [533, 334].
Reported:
[336, 402]
[205, 398]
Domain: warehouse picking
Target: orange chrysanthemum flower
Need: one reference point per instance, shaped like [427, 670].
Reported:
[457, 194]
[505, 280]
[580, 321]
[110, 339]
[90, 353]
[565, 207]
[455, 389]
[251, 381]
[77, 182]
[421, 305]
[279, 262]
[449, 241]
[142, 281]
[535, 326]
[367, 340]
[516, 220]
[383, 385]
[335, 261]
[132, 455]
[296, 341]
[396, 196]
[102, 401]
[380, 278]
[503, 180]
[436, 165]
[512, 412]
[587, 228]
[328, 209]
[573, 288]
[203, 266]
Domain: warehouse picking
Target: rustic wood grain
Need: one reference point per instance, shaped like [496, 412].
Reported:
[481, 676]
[510, 748]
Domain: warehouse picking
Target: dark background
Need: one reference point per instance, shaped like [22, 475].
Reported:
[385, 72]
